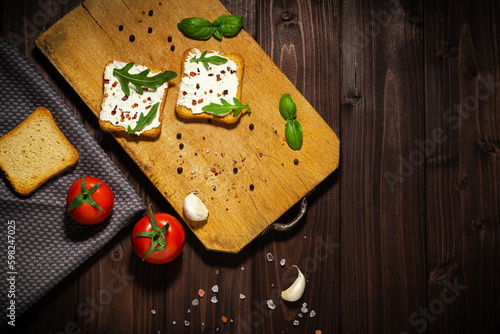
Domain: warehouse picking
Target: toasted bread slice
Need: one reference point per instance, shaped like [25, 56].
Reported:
[35, 151]
[201, 86]
[119, 111]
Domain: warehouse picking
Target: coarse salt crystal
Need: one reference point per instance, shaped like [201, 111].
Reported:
[282, 262]
[189, 310]
[270, 257]
[193, 170]
[153, 311]
[186, 323]
[312, 314]
[214, 300]
[173, 322]
[242, 296]
[296, 322]
[201, 293]
[215, 288]
[208, 150]
[242, 268]
[271, 304]
[217, 272]
[304, 304]
[195, 302]
[304, 310]
[300, 315]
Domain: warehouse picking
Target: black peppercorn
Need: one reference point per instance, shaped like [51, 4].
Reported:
[251, 126]
[235, 170]
[251, 187]
[150, 30]
[179, 170]
[179, 135]
[181, 146]
[150, 13]
[296, 161]
[120, 27]
[131, 38]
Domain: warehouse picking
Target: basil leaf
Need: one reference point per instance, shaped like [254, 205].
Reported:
[195, 27]
[293, 134]
[229, 25]
[288, 109]
[225, 107]
[141, 79]
[143, 121]
[217, 60]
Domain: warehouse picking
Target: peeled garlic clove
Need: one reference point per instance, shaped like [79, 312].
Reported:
[194, 209]
[296, 290]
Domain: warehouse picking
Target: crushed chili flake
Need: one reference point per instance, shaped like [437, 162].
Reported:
[197, 86]
[218, 95]
[229, 68]
[225, 92]
[200, 101]
[115, 83]
[232, 71]
[236, 196]
[149, 98]
[144, 101]
[125, 98]
[147, 107]
[184, 93]
[260, 154]
[113, 112]
[106, 95]
[194, 102]
[106, 81]
[146, 88]
[201, 293]
[210, 91]
[218, 77]
[135, 105]
[210, 74]
[224, 319]
[222, 72]
[192, 74]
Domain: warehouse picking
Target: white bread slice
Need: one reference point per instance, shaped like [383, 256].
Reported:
[35, 151]
[119, 111]
[213, 90]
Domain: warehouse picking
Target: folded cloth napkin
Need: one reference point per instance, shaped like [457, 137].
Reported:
[44, 242]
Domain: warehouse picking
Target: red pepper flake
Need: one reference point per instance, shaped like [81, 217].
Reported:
[225, 92]
[184, 93]
[147, 107]
[135, 105]
[236, 196]
[200, 101]
[125, 98]
[218, 95]
[224, 319]
[232, 71]
[197, 86]
[229, 68]
[222, 154]
[106, 81]
[201, 293]
[198, 70]
[192, 74]
[260, 154]
[218, 77]
[106, 95]
[210, 74]
[210, 91]
[194, 102]
[149, 98]
[145, 88]
[203, 138]
[222, 72]
[135, 116]
[282, 164]
[115, 83]
[113, 112]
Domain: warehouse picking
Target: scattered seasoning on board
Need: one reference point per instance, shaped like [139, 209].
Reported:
[150, 13]
[169, 39]
[251, 127]
[120, 27]
[150, 30]
[252, 187]
[296, 162]
[179, 135]
[181, 146]
[179, 170]
[172, 48]
[131, 38]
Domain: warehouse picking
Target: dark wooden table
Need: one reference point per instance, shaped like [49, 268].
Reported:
[404, 237]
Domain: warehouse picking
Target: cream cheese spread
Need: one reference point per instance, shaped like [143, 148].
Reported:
[123, 111]
[201, 86]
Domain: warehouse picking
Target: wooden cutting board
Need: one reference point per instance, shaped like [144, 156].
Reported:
[82, 42]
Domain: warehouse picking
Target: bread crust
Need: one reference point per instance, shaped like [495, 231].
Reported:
[186, 113]
[152, 133]
[70, 160]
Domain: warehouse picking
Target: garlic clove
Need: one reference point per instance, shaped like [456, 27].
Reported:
[296, 290]
[194, 209]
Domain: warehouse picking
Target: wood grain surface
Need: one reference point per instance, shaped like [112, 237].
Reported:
[210, 150]
[403, 238]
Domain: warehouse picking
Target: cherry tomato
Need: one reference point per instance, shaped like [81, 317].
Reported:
[154, 241]
[91, 201]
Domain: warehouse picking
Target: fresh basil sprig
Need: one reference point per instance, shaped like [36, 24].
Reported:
[199, 28]
[226, 107]
[216, 60]
[141, 79]
[143, 121]
[293, 129]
